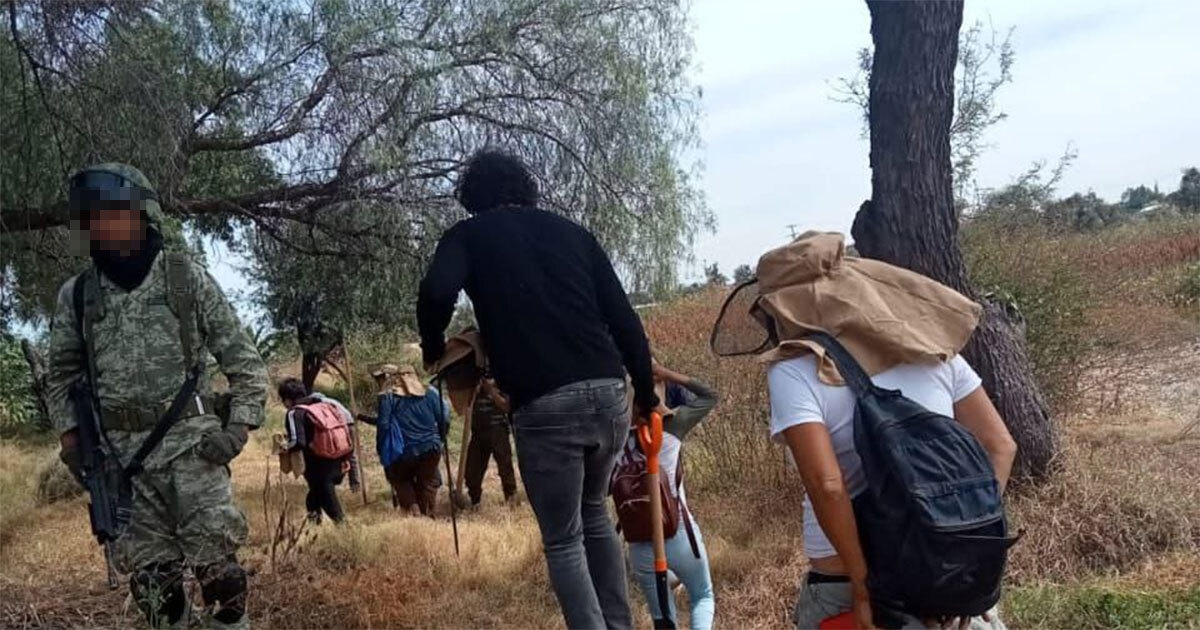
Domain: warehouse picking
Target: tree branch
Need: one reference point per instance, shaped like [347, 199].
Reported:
[295, 122]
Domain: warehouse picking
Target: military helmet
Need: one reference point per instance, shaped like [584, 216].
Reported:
[107, 185]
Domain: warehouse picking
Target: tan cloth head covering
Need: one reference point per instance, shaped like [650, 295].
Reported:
[460, 368]
[406, 382]
[386, 369]
[884, 315]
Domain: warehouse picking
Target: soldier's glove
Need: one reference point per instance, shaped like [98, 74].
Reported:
[220, 447]
[73, 461]
[70, 456]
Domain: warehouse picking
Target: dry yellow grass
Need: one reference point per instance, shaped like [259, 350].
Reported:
[1124, 510]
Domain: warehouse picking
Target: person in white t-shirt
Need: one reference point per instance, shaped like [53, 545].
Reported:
[816, 421]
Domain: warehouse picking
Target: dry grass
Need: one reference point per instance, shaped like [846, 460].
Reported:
[1118, 504]
[1112, 540]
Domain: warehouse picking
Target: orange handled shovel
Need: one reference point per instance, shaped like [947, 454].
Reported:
[651, 437]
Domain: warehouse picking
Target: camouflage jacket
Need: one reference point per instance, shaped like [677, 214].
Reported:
[140, 361]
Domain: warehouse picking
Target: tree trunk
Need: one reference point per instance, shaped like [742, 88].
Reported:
[911, 220]
[38, 376]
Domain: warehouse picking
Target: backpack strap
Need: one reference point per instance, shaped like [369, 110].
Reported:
[850, 369]
[683, 509]
[85, 299]
[181, 297]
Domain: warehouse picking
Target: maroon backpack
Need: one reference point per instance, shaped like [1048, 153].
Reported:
[632, 499]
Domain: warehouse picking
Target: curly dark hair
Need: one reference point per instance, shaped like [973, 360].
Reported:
[292, 389]
[494, 178]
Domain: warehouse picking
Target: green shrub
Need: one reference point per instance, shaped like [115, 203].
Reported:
[1101, 608]
[1187, 289]
[1024, 265]
[17, 407]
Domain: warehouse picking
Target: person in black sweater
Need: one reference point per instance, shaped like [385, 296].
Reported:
[322, 475]
[560, 336]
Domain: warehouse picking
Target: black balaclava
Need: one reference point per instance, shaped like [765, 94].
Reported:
[114, 185]
[129, 271]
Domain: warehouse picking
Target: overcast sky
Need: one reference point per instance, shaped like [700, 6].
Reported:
[1119, 80]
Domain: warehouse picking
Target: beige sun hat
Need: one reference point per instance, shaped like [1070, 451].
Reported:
[407, 382]
[884, 315]
[402, 379]
[385, 369]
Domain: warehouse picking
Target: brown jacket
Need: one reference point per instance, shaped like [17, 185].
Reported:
[461, 367]
[884, 315]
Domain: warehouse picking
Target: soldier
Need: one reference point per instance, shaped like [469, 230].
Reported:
[141, 324]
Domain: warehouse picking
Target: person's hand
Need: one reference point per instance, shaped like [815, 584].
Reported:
[657, 370]
[69, 454]
[641, 415]
[863, 616]
[220, 447]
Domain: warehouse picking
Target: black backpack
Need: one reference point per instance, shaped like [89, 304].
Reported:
[931, 521]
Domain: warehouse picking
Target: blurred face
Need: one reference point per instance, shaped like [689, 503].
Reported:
[117, 228]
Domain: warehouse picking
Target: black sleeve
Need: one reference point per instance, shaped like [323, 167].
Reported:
[446, 276]
[625, 327]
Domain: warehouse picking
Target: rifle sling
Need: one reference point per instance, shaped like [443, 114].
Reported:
[83, 320]
[186, 391]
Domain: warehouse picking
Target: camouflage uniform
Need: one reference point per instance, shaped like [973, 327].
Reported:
[183, 509]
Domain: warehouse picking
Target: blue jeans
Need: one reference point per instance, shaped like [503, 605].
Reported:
[567, 443]
[818, 602]
[690, 570]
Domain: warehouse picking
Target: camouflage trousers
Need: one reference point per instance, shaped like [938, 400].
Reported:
[182, 510]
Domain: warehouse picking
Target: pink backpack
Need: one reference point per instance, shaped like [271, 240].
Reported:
[331, 434]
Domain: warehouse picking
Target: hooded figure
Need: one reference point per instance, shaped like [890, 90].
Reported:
[133, 326]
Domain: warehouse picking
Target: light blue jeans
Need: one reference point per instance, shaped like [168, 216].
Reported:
[691, 571]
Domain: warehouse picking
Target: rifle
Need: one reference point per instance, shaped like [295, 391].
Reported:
[100, 475]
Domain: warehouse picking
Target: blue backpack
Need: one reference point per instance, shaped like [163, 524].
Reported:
[932, 520]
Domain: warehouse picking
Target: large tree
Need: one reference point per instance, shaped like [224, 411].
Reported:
[322, 137]
[911, 219]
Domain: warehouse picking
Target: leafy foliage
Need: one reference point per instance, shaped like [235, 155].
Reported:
[742, 274]
[713, 275]
[1140, 197]
[1188, 195]
[17, 406]
[1012, 259]
[322, 135]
